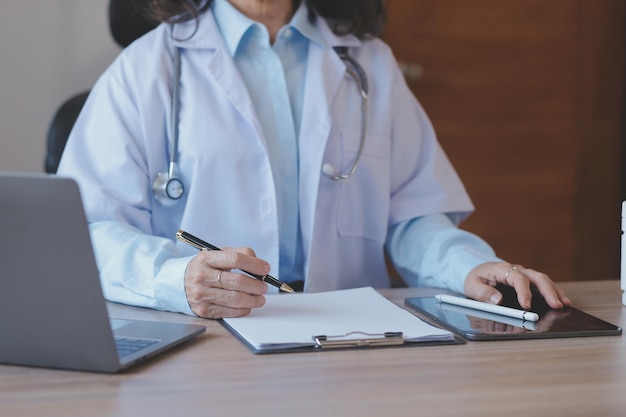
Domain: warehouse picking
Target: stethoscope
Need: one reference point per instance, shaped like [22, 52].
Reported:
[169, 188]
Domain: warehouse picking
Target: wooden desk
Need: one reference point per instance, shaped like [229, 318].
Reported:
[216, 375]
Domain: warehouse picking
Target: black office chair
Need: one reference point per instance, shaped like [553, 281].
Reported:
[126, 24]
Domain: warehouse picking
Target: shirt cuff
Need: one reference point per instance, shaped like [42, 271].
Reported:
[432, 251]
[169, 286]
[461, 262]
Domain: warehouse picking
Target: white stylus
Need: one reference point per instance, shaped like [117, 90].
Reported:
[492, 308]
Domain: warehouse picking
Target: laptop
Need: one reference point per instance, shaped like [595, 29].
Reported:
[52, 310]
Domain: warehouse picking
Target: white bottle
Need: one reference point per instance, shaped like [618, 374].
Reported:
[623, 255]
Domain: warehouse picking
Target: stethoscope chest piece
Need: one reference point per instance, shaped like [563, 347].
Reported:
[167, 188]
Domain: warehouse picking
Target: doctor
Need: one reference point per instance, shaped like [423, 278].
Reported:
[241, 123]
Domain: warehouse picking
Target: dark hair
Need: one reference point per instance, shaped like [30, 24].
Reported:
[362, 18]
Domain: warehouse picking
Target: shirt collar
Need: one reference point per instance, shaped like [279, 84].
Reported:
[300, 22]
[233, 24]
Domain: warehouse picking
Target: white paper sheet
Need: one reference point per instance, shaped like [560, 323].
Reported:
[293, 320]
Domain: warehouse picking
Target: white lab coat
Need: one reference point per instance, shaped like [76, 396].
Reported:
[120, 142]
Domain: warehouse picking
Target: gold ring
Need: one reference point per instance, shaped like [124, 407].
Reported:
[513, 268]
[219, 278]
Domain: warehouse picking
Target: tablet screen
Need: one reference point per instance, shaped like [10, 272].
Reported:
[478, 325]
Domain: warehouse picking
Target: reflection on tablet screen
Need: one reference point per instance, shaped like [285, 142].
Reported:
[489, 322]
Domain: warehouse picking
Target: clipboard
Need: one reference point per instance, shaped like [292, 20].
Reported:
[336, 320]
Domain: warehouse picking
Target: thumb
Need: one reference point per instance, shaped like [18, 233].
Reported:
[481, 291]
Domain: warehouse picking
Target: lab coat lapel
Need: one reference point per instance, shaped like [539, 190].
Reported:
[226, 76]
[325, 72]
[220, 66]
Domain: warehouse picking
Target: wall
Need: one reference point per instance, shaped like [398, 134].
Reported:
[51, 50]
[527, 98]
[559, 62]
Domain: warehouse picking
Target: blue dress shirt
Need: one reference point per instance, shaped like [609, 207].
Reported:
[273, 74]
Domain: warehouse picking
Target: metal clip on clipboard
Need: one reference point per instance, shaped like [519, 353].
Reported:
[370, 340]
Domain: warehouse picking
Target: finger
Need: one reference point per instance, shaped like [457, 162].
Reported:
[235, 281]
[553, 295]
[482, 289]
[244, 250]
[211, 302]
[231, 289]
[206, 269]
[481, 280]
[216, 303]
[213, 293]
[231, 259]
[516, 277]
[218, 280]
[200, 273]
[214, 311]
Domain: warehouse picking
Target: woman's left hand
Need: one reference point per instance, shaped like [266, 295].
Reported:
[481, 281]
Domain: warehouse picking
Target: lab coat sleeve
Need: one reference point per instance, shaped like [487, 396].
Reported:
[423, 180]
[432, 251]
[108, 153]
[138, 269]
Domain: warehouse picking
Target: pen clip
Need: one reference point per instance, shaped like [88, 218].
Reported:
[372, 340]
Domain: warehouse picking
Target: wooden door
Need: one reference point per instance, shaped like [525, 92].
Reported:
[527, 98]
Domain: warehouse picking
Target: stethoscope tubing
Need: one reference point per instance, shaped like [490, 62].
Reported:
[354, 69]
[175, 113]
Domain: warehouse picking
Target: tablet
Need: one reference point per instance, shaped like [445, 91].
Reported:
[478, 325]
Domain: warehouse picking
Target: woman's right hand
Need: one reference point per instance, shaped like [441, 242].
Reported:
[214, 292]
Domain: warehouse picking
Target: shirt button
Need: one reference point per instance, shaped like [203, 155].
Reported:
[287, 33]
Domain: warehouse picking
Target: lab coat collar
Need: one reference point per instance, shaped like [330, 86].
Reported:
[333, 40]
[201, 33]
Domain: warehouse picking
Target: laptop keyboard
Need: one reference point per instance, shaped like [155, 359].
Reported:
[127, 346]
